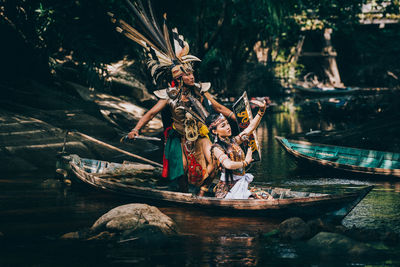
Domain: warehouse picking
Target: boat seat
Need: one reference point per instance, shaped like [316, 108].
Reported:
[315, 152]
[331, 158]
[379, 164]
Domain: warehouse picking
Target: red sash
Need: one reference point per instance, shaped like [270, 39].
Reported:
[165, 161]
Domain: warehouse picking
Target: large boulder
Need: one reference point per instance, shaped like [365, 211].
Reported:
[294, 229]
[132, 217]
[391, 238]
[363, 235]
[137, 223]
[332, 244]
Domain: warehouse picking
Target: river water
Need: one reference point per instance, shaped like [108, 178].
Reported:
[35, 209]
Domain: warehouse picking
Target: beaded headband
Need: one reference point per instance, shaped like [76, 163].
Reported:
[217, 121]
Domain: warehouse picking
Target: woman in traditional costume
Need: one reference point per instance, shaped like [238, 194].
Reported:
[234, 181]
[185, 156]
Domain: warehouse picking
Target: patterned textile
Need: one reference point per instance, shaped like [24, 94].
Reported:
[195, 172]
[222, 189]
[234, 152]
[237, 189]
[258, 193]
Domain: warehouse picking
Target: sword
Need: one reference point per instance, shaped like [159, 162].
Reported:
[127, 140]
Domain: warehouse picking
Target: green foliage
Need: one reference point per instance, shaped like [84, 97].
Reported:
[319, 14]
[44, 18]
[368, 55]
[221, 32]
[261, 81]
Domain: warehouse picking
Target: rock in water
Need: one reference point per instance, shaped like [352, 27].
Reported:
[70, 236]
[336, 244]
[294, 229]
[134, 216]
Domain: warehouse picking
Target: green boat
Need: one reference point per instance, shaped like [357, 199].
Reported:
[326, 90]
[344, 158]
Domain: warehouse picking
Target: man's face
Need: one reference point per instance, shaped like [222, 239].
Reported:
[188, 79]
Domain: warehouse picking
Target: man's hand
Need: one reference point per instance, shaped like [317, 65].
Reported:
[133, 134]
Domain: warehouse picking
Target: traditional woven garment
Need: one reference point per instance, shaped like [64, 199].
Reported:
[236, 186]
[196, 169]
[235, 153]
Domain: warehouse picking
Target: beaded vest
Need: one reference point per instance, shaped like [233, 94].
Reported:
[235, 153]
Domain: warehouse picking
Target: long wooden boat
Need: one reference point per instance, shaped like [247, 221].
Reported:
[286, 202]
[326, 90]
[344, 158]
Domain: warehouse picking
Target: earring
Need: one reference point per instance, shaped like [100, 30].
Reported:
[216, 139]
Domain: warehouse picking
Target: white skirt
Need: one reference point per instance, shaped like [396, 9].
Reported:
[241, 188]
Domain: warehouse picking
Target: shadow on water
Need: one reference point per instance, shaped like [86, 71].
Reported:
[36, 209]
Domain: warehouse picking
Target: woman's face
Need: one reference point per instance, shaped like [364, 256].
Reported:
[223, 129]
[188, 79]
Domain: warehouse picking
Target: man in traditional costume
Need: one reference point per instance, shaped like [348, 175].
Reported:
[186, 158]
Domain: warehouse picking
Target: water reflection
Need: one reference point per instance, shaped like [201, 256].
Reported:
[223, 239]
[304, 114]
[34, 208]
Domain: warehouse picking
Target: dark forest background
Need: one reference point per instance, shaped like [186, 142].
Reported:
[41, 39]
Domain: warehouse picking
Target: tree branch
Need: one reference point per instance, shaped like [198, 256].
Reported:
[13, 26]
[221, 22]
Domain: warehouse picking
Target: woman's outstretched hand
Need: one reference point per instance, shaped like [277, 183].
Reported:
[262, 104]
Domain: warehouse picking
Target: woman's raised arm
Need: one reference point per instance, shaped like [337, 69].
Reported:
[256, 121]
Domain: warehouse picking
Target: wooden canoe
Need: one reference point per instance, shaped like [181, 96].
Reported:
[287, 203]
[326, 90]
[344, 158]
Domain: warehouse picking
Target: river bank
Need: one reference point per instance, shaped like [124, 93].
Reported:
[36, 117]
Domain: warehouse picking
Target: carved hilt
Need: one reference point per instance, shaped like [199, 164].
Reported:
[191, 129]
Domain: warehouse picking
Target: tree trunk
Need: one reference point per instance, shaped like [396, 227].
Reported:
[330, 66]
[295, 53]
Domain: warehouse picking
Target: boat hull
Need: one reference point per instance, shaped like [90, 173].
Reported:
[333, 207]
[326, 91]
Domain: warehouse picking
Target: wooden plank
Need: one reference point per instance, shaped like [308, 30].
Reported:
[116, 148]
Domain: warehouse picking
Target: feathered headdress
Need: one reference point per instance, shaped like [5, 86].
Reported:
[163, 57]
